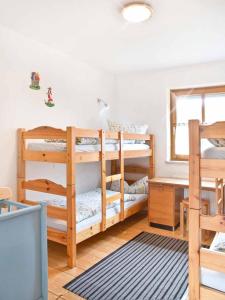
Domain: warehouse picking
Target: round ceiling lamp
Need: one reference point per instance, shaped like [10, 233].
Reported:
[137, 12]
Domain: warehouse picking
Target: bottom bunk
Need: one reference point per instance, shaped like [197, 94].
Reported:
[89, 213]
[211, 278]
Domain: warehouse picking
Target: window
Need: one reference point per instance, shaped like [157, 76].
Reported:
[205, 104]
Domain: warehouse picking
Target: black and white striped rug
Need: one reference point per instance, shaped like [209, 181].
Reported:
[148, 267]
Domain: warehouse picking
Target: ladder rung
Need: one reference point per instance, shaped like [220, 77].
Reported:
[113, 177]
[113, 198]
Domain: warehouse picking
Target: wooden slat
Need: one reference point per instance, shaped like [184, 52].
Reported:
[52, 211]
[90, 133]
[5, 193]
[137, 153]
[86, 157]
[71, 198]
[194, 164]
[44, 186]
[113, 178]
[103, 179]
[213, 223]
[121, 161]
[136, 136]
[211, 294]
[112, 135]
[21, 170]
[55, 157]
[87, 233]
[194, 210]
[57, 236]
[212, 260]
[216, 130]
[136, 169]
[213, 168]
[112, 155]
[113, 198]
[60, 157]
[45, 132]
[152, 157]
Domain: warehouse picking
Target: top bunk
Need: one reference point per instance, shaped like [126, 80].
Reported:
[211, 160]
[48, 144]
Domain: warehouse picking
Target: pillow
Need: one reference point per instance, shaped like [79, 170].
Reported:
[220, 247]
[217, 142]
[115, 186]
[86, 141]
[130, 128]
[79, 141]
[138, 187]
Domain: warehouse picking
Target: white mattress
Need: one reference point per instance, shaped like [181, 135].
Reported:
[61, 147]
[214, 153]
[89, 208]
[210, 278]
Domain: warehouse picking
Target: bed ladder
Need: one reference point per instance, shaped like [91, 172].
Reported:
[107, 179]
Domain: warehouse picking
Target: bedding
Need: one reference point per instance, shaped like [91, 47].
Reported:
[130, 128]
[112, 210]
[61, 147]
[138, 187]
[214, 153]
[212, 278]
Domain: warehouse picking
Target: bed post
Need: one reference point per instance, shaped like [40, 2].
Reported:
[103, 179]
[20, 165]
[152, 157]
[194, 210]
[71, 198]
[121, 157]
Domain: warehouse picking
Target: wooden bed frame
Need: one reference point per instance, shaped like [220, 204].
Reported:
[70, 157]
[204, 168]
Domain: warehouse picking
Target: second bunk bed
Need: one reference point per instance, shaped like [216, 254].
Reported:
[72, 217]
[206, 266]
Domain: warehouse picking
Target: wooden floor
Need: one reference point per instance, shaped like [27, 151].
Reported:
[93, 250]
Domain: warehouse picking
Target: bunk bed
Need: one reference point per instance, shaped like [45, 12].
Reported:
[206, 266]
[63, 226]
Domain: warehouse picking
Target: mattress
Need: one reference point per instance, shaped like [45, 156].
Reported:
[112, 210]
[61, 147]
[214, 153]
[210, 278]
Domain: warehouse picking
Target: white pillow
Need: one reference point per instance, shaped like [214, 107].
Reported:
[217, 142]
[138, 187]
[115, 186]
[130, 128]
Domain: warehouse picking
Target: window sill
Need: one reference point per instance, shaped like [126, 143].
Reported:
[179, 162]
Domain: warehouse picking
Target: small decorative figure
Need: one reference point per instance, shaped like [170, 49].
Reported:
[35, 78]
[50, 101]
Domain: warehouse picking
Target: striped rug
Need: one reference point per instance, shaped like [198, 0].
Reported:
[148, 267]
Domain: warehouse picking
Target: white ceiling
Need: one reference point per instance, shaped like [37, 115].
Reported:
[180, 32]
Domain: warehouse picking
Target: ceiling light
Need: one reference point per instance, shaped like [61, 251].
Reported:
[137, 12]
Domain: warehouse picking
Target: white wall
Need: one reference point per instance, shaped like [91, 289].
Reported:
[76, 87]
[143, 97]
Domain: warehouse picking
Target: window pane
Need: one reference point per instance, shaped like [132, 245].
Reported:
[182, 140]
[189, 107]
[214, 108]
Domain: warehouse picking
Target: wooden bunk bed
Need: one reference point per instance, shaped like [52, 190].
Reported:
[70, 237]
[202, 258]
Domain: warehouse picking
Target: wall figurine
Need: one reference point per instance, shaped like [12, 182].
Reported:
[35, 79]
[50, 101]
